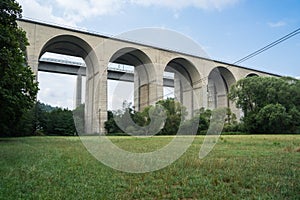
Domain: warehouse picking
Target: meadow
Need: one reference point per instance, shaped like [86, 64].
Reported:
[239, 167]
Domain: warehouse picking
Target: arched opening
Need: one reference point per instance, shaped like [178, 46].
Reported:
[187, 83]
[137, 70]
[219, 81]
[73, 56]
[59, 81]
[252, 75]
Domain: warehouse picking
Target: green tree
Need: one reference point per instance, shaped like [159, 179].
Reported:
[60, 122]
[27, 124]
[18, 88]
[175, 114]
[141, 123]
[269, 104]
[273, 118]
[111, 125]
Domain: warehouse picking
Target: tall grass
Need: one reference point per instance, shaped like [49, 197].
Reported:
[239, 167]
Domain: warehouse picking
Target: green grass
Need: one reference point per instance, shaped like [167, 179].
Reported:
[239, 167]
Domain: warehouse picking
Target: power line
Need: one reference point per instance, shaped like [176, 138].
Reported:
[280, 40]
[297, 31]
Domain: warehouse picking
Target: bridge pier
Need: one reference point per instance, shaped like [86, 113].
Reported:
[147, 89]
[78, 92]
[187, 94]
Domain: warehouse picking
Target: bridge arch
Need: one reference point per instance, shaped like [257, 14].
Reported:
[71, 45]
[219, 81]
[252, 74]
[187, 80]
[145, 78]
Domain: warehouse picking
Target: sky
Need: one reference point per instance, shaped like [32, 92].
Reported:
[227, 30]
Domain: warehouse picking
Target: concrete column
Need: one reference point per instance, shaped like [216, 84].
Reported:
[205, 93]
[148, 87]
[89, 107]
[102, 103]
[197, 96]
[177, 88]
[184, 93]
[147, 94]
[156, 89]
[212, 100]
[78, 90]
[143, 96]
[136, 91]
[187, 101]
[34, 63]
[156, 92]
[222, 100]
[91, 101]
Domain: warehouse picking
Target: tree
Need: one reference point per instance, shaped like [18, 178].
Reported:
[273, 118]
[175, 114]
[141, 123]
[166, 117]
[270, 104]
[60, 122]
[110, 124]
[18, 88]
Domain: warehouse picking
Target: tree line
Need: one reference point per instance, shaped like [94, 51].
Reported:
[174, 119]
[44, 119]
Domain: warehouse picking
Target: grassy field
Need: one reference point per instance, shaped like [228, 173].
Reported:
[239, 167]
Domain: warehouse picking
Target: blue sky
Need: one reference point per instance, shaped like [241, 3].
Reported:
[226, 29]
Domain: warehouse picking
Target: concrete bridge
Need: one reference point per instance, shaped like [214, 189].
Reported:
[198, 82]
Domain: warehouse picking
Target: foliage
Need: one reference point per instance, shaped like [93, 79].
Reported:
[166, 113]
[270, 105]
[148, 120]
[18, 88]
[44, 119]
[60, 122]
[175, 113]
[27, 124]
[273, 118]
[110, 125]
[200, 121]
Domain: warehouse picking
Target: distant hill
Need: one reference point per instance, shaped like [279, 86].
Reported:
[46, 107]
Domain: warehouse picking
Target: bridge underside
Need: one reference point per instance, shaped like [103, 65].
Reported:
[79, 70]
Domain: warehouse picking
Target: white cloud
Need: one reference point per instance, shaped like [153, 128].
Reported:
[57, 89]
[181, 4]
[72, 12]
[42, 11]
[277, 24]
[79, 10]
[118, 92]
